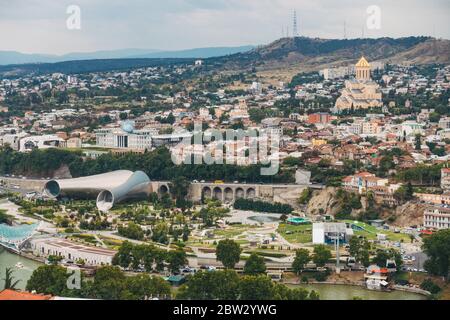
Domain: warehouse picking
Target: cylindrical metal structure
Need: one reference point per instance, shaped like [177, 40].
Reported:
[108, 188]
[136, 186]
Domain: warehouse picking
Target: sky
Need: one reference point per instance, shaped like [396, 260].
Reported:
[40, 26]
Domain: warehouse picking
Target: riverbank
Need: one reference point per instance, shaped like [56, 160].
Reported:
[350, 279]
[344, 291]
[22, 271]
[360, 284]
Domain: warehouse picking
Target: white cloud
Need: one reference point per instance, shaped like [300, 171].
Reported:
[39, 25]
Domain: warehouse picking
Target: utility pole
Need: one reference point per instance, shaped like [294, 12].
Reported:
[337, 238]
[345, 30]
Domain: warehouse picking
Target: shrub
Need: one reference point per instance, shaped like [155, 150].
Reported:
[430, 286]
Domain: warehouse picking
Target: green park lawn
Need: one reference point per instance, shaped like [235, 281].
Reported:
[370, 232]
[296, 234]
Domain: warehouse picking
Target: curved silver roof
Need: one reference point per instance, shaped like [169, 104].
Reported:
[109, 188]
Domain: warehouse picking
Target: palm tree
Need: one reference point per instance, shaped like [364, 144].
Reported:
[9, 279]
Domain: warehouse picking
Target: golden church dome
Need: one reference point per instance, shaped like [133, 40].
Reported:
[363, 63]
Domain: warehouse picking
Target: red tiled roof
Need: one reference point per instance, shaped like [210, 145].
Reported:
[9, 294]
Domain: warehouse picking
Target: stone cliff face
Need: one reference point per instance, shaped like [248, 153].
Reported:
[408, 214]
[322, 202]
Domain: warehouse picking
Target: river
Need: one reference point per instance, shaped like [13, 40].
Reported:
[346, 292]
[8, 259]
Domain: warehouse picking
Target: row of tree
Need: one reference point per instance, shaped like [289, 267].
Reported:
[109, 283]
[262, 206]
[228, 285]
[149, 257]
[157, 164]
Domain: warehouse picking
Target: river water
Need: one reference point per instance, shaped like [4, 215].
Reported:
[8, 259]
[345, 292]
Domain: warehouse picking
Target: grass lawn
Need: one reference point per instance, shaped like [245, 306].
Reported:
[370, 232]
[111, 243]
[85, 237]
[296, 234]
[232, 231]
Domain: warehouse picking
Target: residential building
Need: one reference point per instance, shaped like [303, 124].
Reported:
[445, 179]
[436, 217]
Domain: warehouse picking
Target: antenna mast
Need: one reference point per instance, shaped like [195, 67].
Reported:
[345, 30]
[294, 26]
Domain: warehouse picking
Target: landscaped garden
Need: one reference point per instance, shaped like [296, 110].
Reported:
[296, 233]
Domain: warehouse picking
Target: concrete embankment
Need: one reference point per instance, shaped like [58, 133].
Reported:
[27, 184]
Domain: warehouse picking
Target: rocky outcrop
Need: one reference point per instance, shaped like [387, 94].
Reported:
[406, 215]
[62, 173]
[322, 202]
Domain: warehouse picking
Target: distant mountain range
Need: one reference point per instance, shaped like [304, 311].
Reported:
[14, 57]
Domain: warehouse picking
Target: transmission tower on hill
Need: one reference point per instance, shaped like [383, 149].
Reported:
[294, 26]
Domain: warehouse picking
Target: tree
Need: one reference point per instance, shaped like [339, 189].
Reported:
[404, 193]
[321, 255]
[144, 286]
[359, 248]
[302, 257]
[48, 279]
[254, 265]
[418, 142]
[170, 118]
[179, 188]
[256, 288]
[226, 285]
[381, 257]
[123, 257]
[53, 259]
[123, 116]
[221, 285]
[4, 217]
[228, 252]
[186, 233]
[109, 283]
[430, 286]
[176, 259]
[132, 231]
[10, 283]
[437, 248]
[305, 196]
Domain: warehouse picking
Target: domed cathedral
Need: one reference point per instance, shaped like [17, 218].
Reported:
[360, 92]
[362, 69]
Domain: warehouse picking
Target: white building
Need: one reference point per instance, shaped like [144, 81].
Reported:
[39, 142]
[444, 123]
[410, 128]
[119, 138]
[72, 251]
[436, 217]
[12, 140]
[328, 232]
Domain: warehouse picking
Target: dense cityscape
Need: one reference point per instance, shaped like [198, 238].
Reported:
[186, 180]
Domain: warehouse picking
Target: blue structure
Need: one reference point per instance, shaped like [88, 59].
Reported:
[298, 221]
[12, 237]
[128, 126]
